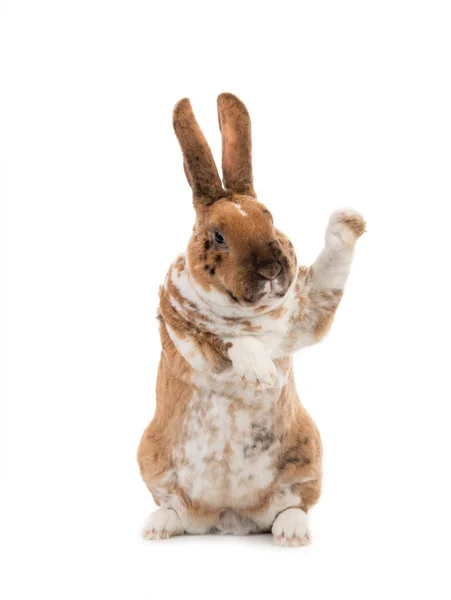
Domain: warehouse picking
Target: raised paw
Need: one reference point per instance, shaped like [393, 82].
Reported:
[290, 528]
[252, 363]
[162, 524]
[346, 225]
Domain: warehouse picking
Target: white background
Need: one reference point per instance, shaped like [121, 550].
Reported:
[351, 105]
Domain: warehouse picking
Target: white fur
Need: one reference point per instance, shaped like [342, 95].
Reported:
[251, 361]
[162, 524]
[232, 523]
[200, 465]
[290, 528]
[212, 466]
[240, 209]
[188, 350]
[331, 268]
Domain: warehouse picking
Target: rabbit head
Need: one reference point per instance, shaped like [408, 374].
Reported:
[234, 249]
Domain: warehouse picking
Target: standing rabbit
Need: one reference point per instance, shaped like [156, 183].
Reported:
[230, 448]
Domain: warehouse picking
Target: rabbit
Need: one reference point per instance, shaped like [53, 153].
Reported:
[230, 448]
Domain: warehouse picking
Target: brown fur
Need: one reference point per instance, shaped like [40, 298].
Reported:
[199, 165]
[235, 126]
[356, 224]
[254, 246]
[235, 251]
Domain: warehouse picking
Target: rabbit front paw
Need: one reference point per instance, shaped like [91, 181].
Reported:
[346, 226]
[252, 363]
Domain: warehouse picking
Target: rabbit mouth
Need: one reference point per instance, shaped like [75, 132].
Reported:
[278, 290]
[272, 290]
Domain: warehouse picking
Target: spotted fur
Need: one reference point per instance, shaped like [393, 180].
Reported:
[231, 448]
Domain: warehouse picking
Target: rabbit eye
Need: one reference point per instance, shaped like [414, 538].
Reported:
[219, 239]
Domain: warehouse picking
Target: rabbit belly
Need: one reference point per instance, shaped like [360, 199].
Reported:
[228, 450]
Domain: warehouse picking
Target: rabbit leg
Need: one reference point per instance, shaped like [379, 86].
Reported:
[320, 288]
[162, 524]
[290, 528]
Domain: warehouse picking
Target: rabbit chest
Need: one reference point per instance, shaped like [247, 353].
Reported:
[228, 444]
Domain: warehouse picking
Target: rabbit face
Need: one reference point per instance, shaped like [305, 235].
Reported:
[236, 249]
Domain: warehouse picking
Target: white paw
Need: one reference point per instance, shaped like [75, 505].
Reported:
[290, 528]
[345, 226]
[162, 524]
[252, 363]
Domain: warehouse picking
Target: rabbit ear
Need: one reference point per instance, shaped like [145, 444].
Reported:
[198, 161]
[235, 126]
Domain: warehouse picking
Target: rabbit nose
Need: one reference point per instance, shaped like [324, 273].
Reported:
[269, 270]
